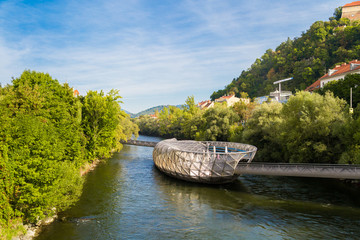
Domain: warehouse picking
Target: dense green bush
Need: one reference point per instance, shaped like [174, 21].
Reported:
[308, 128]
[263, 130]
[341, 88]
[217, 123]
[350, 136]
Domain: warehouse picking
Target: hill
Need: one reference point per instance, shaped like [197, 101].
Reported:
[150, 110]
[129, 113]
[305, 58]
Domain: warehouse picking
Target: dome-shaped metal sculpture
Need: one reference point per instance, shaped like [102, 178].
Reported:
[208, 162]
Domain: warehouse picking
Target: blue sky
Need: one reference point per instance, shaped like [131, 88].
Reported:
[156, 52]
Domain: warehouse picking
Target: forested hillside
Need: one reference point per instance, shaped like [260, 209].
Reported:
[305, 58]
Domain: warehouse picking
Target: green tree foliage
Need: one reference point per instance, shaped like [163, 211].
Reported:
[6, 188]
[102, 118]
[350, 136]
[341, 88]
[46, 135]
[309, 129]
[244, 110]
[217, 124]
[337, 14]
[305, 58]
[43, 142]
[192, 119]
[147, 125]
[170, 121]
[263, 130]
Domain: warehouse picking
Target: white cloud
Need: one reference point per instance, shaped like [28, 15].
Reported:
[153, 54]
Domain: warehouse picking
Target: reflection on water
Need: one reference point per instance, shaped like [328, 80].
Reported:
[126, 197]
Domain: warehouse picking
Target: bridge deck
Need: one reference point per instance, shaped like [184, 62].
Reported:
[139, 143]
[300, 170]
[285, 169]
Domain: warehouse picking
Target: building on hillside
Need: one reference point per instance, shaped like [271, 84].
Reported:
[205, 104]
[282, 96]
[339, 72]
[314, 86]
[153, 116]
[261, 100]
[231, 100]
[351, 11]
[279, 95]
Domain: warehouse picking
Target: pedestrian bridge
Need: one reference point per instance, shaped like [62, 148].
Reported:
[300, 170]
[139, 143]
[339, 171]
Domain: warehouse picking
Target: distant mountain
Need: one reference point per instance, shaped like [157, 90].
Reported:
[127, 112]
[150, 110]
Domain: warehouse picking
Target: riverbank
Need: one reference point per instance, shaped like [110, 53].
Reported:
[126, 197]
[31, 231]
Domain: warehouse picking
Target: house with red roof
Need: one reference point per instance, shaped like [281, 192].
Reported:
[339, 72]
[351, 11]
[231, 100]
[153, 116]
[205, 104]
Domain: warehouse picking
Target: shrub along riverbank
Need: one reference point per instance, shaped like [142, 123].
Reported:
[309, 128]
[46, 136]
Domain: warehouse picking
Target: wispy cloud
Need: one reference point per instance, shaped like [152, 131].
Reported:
[155, 52]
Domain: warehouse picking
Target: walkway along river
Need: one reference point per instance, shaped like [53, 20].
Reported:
[126, 197]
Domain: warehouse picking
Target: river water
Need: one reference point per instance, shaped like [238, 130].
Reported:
[126, 197]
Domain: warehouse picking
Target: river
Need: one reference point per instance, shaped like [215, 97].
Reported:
[126, 197]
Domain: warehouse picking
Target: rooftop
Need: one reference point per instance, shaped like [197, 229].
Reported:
[356, 3]
[314, 86]
[343, 68]
[225, 97]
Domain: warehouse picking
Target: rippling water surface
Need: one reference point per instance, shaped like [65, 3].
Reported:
[126, 197]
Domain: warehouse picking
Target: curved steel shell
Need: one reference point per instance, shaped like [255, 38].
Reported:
[208, 162]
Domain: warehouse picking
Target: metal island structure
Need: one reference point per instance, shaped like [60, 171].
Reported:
[206, 161]
[223, 162]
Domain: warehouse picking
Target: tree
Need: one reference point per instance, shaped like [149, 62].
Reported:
[217, 123]
[309, 127]
[45, 135]
[263, 130]
[41, 146]
[341, 88]
[244, 110]
[148, 125]
[192, 119]
[337, 14]
[170, 121]
[102, 118]
[350, 135]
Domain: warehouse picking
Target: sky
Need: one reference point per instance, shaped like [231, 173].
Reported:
[156, 52]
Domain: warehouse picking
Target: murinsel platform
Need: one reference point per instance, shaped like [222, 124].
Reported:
[206, 162]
